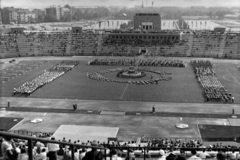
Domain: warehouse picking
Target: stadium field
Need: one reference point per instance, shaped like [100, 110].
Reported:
[76, 85]
[130, 127]
[7, 123]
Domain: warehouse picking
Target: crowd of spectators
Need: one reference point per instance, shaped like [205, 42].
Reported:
[213, 90]
[138, 42]
[50, 43]
[141, 62]
[17, 149]
[69, 43]
[47, 77]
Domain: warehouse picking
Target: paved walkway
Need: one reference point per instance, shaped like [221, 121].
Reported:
[201, 110]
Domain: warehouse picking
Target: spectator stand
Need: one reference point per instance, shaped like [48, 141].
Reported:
[125, 151]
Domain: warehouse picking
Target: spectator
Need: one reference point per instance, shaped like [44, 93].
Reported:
[6, 147]
[203, 155]
[162, 155]
[115, 156]
[171, 156]
[52, 150]
[220, 156]
[82, 153]
[42, 155]
[233, 155]
[23, 155]
[179, 157]
[194, 155]
[93, 154]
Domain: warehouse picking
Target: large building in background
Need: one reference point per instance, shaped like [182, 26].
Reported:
[9, 15]
[147, 21]
[54, 12]
[17, 16]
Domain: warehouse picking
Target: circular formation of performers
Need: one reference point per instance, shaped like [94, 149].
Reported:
[160, 76]
[126, 75]
[213, 90]
[138, 62]
[45, 78]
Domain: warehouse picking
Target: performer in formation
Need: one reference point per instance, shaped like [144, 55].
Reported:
[142, 62]
[213, 90]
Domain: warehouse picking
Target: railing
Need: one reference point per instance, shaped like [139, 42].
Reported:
[139, 152]
[31, 139]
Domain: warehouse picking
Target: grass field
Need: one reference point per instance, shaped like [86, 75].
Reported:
[76, 85]
[6, 123]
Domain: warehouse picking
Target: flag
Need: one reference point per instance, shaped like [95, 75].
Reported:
[152, 3]
[142, 3]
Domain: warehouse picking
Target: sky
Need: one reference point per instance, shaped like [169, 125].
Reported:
[128, 3]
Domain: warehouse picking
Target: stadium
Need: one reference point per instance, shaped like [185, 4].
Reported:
[149, 87]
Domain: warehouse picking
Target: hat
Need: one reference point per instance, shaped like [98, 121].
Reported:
[162, 152]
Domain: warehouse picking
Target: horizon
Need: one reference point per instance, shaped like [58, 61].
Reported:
[124, 3]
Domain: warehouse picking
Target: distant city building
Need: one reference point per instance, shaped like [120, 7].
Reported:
[17, 16]
[54, 11]
[39, 14]
[232, 16]
[57, 12]
[9, 15]
[64, 11]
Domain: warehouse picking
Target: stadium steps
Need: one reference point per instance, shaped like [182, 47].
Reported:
[222, 44]
[99, 43]
[158, 51]
[190, 45]
[68, 48]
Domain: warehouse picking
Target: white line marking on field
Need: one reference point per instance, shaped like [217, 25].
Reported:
[17, 124]
[224, 77]
[124, 91]
[44, 114]
[233, 77]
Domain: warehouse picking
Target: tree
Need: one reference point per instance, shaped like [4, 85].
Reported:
[50, 18]
[67, 6]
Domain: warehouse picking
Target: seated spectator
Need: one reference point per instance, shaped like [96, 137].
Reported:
[204, 154]
[115, 156]
[194, 155]
[42, 155]
[221, 156]
[93, 154]
[179, 157]
[23, 155]
[82, 153]
[171, 156]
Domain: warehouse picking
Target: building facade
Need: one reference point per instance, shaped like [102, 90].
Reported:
[54, 11]
[147, 21]
[17, 16]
